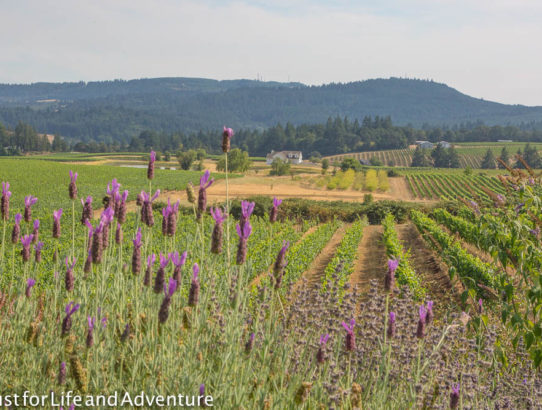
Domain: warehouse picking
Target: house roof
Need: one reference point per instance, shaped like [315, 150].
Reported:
[286, 153]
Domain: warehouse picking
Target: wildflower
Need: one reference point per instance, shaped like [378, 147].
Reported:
[389, 281]
[475, 207]
[6, 195]
[139, 199]
[62, 373]
[72, 188]
[172, 219]
[204, 183]
[350, 340]
[69, 279]
[97, 243]
[242, 247]
[29, 284]
[28, 202]
[36, 230]
[163, 313]
[106, 218]
[519, 207]
[121, 214]
[249, 345]
[321, 354]
[226, 137]
[147, 216]
[67, 322]
[454, 396]
[429, 312]
[165, 218]
[193, 295]
[275, 210]
[150, 168]
[136, 254]
[420, 332]
[25, 252]
[88, 262]
[280, 264]
[148, 272]
[86, 215]
[218, 231]
[90, 331]
[56, 223]
[246, 211]
[37, 251]
[178, 262]
[391, 325]
[161, 274]
[112, 190]
[202, 395]
[16, 232]
[191, 196]
[480, 306]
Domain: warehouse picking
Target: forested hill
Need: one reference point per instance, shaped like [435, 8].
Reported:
[120, 110]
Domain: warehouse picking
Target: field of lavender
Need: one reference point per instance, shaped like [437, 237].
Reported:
[201, 304]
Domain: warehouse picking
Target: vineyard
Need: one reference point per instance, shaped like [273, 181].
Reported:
[259, 311]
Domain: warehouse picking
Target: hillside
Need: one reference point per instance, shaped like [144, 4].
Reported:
[118, 110]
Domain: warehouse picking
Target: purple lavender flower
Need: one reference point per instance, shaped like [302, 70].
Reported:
[163, 313]
[97, 243]
[56, 223]
[275, 210]
[72, 188]
[16, 232]
[202, 390]
[150, 168]
[280, 264]
[88, 262]
[148, 272]
[193, 295]
[6, 195]
[218, 231]
[420, 331]
[136, 254]
[204, 183]
[159, 280]
[165, 218]
[391, 326]
[67, 322]
[118, 234]
[429, 312]
[36, 230]
[29, 284]
[106, 218]
[480, 306]
[37, 251]
[389, 280]
[246, 211]
[69, 279]
[121, 213]
[28, 202]
[321, 354]
[226, 137]
[350, 340]
[243, 238]
[62, 373]
[454, 396]
[178, 262]
[90, 331]
[86, 215]
[249, 345]
[25, 252]
[147, 216]
[172, 219]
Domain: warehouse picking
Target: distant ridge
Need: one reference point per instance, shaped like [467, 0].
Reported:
[120, 109]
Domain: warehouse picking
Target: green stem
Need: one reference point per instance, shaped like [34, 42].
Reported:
[73, 229]
[227, 212]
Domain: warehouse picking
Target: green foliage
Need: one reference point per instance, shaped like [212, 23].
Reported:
[325, 165]
[350, 163]
[489, 160]
[375, 162]
[280, 167]
[186, 158]
[420, 158]
[238, 161]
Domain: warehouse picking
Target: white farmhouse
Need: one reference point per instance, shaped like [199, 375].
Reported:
[445, 144]
[293, 157]
[424, 144]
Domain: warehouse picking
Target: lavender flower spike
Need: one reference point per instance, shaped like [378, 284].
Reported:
[454, 396]
[218, 231]
[420, 331]
[69, 279]
[16, 232]
[321, 354]
[148, 272]
[389, 281]
[204, 183]
[429, 314]
[226, 137]
[67, 322]
[163, 313]
[56, 223]
[178, 262]
[72, 188]
[28, 202]
[275, 210]
[136, 254]
[280, 264]
[86, 215]
[159, 280]
[36, 230]
[193, 295]
[90, 332]
[37, 251]
[25, 252]
[6, 195]
[29, 284]
[150, 167]
[350, 340]
[243, 233]
[391, 326]
[246, 211]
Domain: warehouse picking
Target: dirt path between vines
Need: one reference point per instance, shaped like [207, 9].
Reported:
[432, 271]
[371, 262]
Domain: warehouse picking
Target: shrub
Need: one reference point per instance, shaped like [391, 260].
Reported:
[280, 167]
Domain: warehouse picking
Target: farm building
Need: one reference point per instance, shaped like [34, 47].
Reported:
[293, 157]
[445, 144]
[424, 144]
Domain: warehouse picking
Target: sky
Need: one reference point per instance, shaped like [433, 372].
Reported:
[489, 49]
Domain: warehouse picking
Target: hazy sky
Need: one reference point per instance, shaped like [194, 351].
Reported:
[485, 48]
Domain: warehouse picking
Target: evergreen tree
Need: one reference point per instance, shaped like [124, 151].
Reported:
[453, 158]
[531, 157]
[440, 157]
[489, 160]
[420, 158]
[505, 157]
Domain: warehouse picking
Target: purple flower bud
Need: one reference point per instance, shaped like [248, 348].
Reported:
[56, 223]
[249, 345]
[86, 215]
[35, 230]
[193, 295]
[280, 264]
[37, 251]
[28, 202]
[29, 284]
[16, 232]
[25, 252]
[62, 373]
[454, 396]
[72, 188]
[150, 168]
[420, 331]
[148, 272]
[90, 331]
[480, 306]
[321, 354]
[159, 280]
[165, 218]
[118, 234]
[69, 279]
[429, 314]
[226, 137]
[218, 231]
[389, 280]
[275, 210]
[178, 262]
[391, 326]
[67, 322]
[243, 237]
[350, 340]
[204, 183]
[136, 254]
[6, 195]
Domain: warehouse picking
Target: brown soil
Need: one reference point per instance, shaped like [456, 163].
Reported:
[371, 261]
[429, 266]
